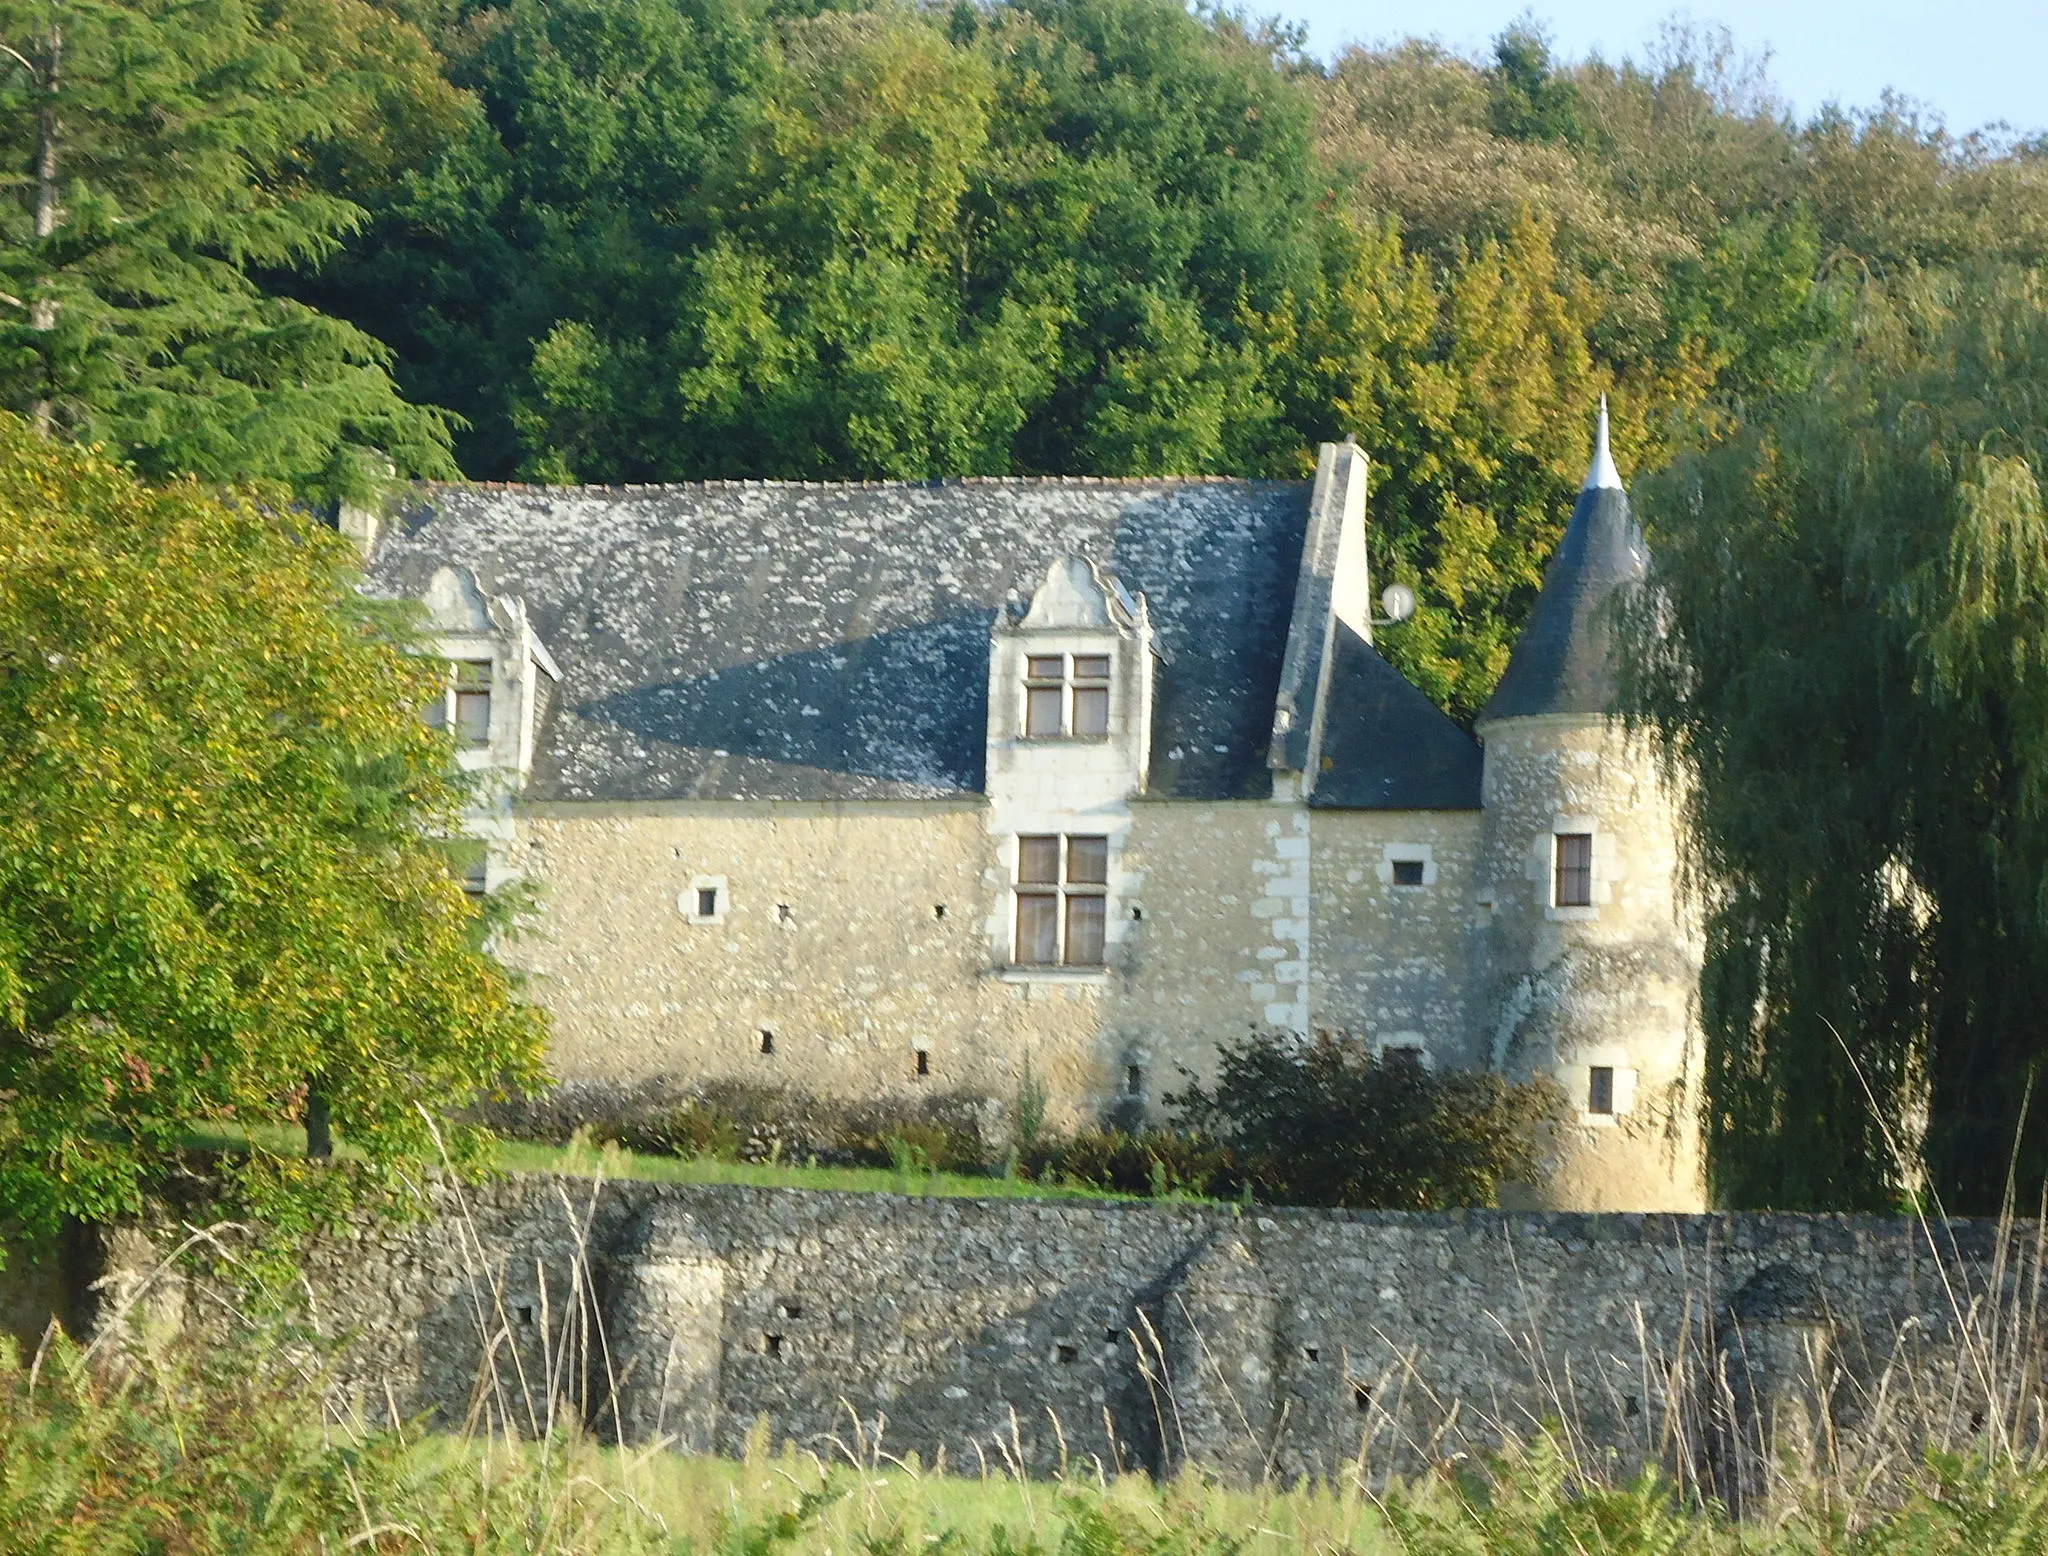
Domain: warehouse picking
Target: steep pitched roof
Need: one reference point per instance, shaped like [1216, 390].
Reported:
[1563, 662]
[1387, 746]
[830, 641]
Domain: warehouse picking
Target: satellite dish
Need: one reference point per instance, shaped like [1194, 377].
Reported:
[1398, 601]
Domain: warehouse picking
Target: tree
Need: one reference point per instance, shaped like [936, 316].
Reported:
[179, 153]
[1849, 670]
[218, 874]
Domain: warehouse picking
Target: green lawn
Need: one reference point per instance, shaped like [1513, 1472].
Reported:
[587, 1160]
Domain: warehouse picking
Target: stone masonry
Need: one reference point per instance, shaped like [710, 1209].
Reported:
[1032, 1333]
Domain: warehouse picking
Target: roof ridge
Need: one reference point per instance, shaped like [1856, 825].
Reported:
[934, 483]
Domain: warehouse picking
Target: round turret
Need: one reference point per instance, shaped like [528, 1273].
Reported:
[1591, 965]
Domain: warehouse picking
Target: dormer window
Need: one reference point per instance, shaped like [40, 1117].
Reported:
[1066, 695]
[1062, 900]
[472, 693]
[465, 705]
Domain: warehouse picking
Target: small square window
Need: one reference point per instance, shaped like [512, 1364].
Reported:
[1600, 1090]
[1408, 872]
[476, 878]
[1574, 876]
[1402, 1059]
[707, 902]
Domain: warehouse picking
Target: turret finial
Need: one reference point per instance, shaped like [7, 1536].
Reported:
[1603, 472]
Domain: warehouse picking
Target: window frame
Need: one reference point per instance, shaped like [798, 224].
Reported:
[1603, 1078]
[1058, 898]
[1579, 872]
[1068, 687]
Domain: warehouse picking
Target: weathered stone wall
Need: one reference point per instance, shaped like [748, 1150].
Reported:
[859, 935]
[1140, 1334]
[1563, 989]
[1394, 963]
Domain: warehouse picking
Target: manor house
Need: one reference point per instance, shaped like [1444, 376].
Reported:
[890, 788]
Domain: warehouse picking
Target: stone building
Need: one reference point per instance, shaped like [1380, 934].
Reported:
[879, 788]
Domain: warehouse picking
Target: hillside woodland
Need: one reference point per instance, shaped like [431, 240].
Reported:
[321, 243]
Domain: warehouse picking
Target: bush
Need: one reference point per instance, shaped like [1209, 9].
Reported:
[736, 1121]
[1325, 1122]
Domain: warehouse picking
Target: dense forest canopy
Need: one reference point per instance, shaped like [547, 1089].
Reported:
[320, 242]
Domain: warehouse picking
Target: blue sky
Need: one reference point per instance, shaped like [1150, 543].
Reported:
[1972, 61]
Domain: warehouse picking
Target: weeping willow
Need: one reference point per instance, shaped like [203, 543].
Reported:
[1846, 666]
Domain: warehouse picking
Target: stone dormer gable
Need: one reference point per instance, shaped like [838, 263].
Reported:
[1071, 686]
[499, 672]
[1076, 596]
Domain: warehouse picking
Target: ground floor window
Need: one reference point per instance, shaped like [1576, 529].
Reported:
[1062, 900]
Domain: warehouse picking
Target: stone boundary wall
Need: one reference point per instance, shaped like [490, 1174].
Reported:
[1031, 1333]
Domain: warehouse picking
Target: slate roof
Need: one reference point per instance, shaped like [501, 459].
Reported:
[816, 641]
[1387, 746]
[1562, 663]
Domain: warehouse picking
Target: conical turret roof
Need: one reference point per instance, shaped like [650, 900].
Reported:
[1563, 662]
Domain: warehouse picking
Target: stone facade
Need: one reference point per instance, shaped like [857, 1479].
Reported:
[1148, 1335]
[892, 790]
[857, 936]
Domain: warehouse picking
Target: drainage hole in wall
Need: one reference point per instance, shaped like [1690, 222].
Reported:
[782, 912]
[1631, 1407]
[772, 1344]
[938, 910]
[525, 1314]
[1976, 1420]
[1112, 1336]
[1066, 1354]
[767, 1041]
[1310, 1353]
[790, 1309]
[1137, 915]
[1361, 1398]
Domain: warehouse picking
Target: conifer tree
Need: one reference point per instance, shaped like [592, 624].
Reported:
[166, 156]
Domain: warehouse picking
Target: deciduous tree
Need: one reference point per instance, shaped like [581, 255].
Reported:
[217, 869]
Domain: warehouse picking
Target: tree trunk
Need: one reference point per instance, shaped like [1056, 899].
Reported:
[42, 313]
[319, 1127]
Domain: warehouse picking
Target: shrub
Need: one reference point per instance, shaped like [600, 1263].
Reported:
[737, 1121]
[1326, 1122]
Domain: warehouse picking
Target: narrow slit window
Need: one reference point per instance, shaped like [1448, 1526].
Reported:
[767, 1041]
[924, 1062]
[1062, 901]
[1574, 876]
[1134, 1080]
[1600, 1090]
